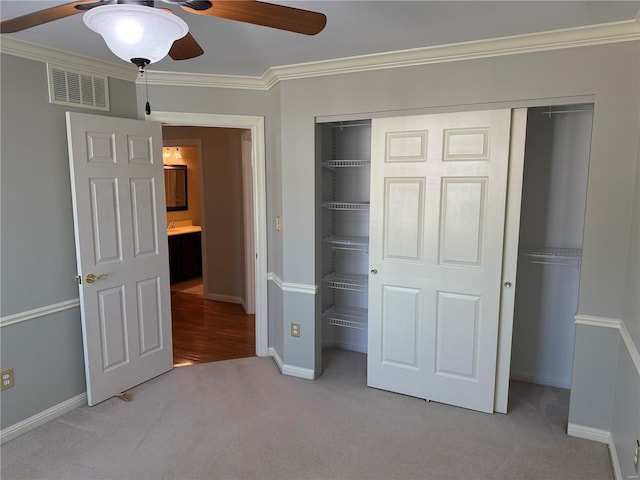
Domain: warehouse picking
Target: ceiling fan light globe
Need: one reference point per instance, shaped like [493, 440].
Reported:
[135, 31]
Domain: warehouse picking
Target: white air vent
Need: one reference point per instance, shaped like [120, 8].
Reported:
[80, 89]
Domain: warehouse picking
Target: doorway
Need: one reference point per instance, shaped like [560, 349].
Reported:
[257, 149]
[211, 308]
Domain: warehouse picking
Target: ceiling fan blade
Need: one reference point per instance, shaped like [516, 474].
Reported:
[43, 16]
[265, 14]
[185, 48]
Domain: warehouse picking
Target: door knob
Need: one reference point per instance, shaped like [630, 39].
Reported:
[507, 284]
[92, 278]
[374, 271]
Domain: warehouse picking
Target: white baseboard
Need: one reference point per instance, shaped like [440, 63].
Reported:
[539, 380]
[216, 297]
[589, 433]
[276, 358]
[41, 418]
[291, 370]
[615, 462]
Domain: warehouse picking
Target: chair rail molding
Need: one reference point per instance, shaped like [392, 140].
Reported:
[614, 323]
[39, 312]
[292, 287]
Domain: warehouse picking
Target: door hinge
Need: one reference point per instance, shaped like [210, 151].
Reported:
[79, 279]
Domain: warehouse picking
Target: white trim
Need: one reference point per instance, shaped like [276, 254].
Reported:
[588, 433]
[627, 30]
[613, 32]
[258, 152]
[615, 461]
[615, 323]
[179, 79]
[631, 348]
[64, 59]
[292, 287]
[273, 277]
[601, 436]
[274, 354]
[537, 379]
[43, 417]
[39, 312]
[291, 370]
[300, 288]
[613, 456]
[594, 321]
[216, 297]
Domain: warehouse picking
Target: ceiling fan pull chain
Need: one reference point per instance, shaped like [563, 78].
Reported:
[147, 106]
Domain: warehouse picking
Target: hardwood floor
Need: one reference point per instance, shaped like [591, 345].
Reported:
[207, 331]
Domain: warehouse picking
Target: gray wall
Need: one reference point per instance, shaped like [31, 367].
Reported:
[37, 258]
[608, 74]
[626, 412]
[222, 207]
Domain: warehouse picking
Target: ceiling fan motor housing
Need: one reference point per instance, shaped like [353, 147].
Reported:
[193, 4]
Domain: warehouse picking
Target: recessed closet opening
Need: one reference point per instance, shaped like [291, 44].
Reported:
[346, 159]
[554, 190]
[557, 143]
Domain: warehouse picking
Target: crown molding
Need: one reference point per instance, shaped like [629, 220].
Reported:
[613, 32]
[62, 58]
[158, 77]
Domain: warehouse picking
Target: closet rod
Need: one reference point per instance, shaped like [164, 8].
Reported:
[344, 125]
[552, 112]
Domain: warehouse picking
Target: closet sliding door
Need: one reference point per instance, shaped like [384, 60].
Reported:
[437, 213]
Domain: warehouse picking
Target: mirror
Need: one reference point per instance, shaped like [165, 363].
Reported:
[175, 187]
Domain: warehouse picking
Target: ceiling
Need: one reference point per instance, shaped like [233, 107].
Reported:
[353, 28]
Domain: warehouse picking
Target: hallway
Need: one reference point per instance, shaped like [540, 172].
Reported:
[208, 331]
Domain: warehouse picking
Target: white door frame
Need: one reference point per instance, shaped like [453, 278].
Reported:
[256, 125]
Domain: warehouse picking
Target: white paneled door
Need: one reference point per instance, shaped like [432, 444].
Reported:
[438, 194]
[117, 183]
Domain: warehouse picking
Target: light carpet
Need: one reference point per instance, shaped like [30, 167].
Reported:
[242, 419]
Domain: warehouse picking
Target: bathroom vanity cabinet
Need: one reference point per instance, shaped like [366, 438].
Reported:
[185, 256]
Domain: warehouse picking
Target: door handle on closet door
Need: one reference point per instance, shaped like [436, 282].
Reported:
[374, 271]
[507, 284]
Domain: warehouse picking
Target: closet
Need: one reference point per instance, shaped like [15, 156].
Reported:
[552, 214]
[434, 268]
[345, 156]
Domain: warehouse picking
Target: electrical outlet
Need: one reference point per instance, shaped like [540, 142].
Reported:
[636, 455]
[295, 329]
[7, 378]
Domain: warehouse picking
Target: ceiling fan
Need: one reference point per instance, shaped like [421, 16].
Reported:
[182, 46]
